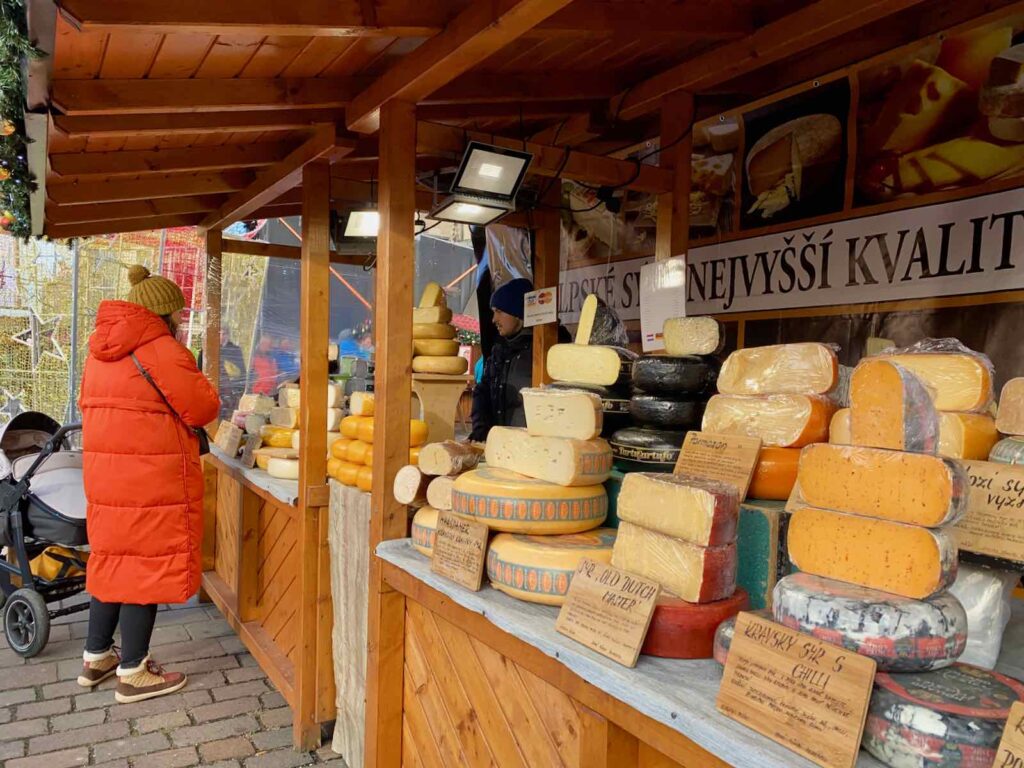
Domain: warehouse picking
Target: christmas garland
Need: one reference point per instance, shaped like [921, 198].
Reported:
[16, 183]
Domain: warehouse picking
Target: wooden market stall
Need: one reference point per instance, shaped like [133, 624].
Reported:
[207, 113]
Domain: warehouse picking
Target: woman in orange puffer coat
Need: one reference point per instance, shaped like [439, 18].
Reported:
[143, 480]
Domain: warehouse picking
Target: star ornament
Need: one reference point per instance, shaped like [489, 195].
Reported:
[13, 404]
[41, 338]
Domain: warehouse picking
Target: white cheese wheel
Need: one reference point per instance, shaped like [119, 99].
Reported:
[448, 365]
[283, 469]
[335, 395]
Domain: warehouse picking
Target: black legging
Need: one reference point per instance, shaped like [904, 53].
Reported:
[136, 629]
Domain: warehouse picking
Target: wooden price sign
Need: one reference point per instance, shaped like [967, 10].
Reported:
[1011, 747]
[248, 458]
[728, 458]
[608, 610]
[460, 548]
[994, 523]
[809, 696]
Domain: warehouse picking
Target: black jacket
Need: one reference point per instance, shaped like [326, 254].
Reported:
[496, 399]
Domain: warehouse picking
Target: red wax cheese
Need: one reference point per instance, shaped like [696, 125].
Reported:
[682, 630]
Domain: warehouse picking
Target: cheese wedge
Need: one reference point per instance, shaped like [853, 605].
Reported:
[435, 347]
[288, 396]
[902, 559]
[805, 369]
[912, 488]
[433, 331]
[432, 296]
[785, 421]
[693, 336]
[1010, 417]
[452, 366]
[562, 413]
[440, 314]
[693, 509]
[588, 364]
[599, 324]
[284, 417]
[958, 382]
[361, 404]
[560, 460]
[891, 408]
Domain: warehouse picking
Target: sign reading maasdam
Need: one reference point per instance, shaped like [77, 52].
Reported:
[969, 246]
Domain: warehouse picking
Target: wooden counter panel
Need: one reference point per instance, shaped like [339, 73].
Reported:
[229, 504]
[276, 578]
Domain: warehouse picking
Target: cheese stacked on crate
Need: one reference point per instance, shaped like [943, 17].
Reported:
[1010, 422]
[680, 531]
[434, 347]
[872, 529]
[780, 394]
[353, 451]
[253, 413]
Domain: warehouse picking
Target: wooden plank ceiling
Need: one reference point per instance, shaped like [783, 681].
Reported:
[178, 112]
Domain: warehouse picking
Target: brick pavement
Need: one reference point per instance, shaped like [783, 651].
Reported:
[228, 716]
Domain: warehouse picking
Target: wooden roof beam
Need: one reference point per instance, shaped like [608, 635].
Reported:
[140, 209]
[88, 229]
[141, 162]
[280, 177]
[477, 32]
[69, 190]
[255, 248]
[243, 121]
[439, 113]
[812, 25]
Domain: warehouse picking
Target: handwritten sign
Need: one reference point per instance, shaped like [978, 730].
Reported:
[994, 523]
[248, 458]
[1011, 747]
[809, 696]
[728, 458]
[460, 548]
[608, 610]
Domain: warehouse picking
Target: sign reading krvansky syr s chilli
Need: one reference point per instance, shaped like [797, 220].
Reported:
[968, 246]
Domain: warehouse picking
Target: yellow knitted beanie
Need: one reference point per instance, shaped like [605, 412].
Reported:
[157, 294]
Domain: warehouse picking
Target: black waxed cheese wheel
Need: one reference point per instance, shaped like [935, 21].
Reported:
[662, 375]
[614, 403]
[644, 449]
[667, 412]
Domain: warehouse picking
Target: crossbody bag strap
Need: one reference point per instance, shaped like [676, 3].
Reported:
[147, 377]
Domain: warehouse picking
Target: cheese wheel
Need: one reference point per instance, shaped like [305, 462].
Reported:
[365, 429]
[368, 457]
[693, 509]
[296, 440]
[277, 437]
[614, 405]
[339, 449]
[645, 449]
[912, 488]
[890, 408]
[959, 382]
[350, 427]
[725, 632]
[348, 472]
[510, 502]
[839, 428]
[418, 432]
[439, 314]
[539, 569]
[785, 421]
[452, 366]
[560, 460]
[333, 465]
[332, 438]
[435, 347]
[356, 452]
[775, 474]
[589, 364]
[694, 573]
[439, 493]
[364, 479]
[1010, 417]
[284, 469]
[900, 634]
[1009, 450]
[264, 455]
[905, 560]
[432, 296]
[667, 412]
[692, 336]
[562, 413]
[675, 376]
[361, 404]
[780, 369]
[433, 331]
[682, 630]
[423, 530]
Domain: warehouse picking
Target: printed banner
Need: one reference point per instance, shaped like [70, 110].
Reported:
[618, 283]
[969, 246]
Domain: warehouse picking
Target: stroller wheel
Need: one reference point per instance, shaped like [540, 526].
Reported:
[26, 622]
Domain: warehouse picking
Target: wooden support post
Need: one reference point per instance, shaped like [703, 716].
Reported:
[214, 279]
[674, 207]
[548, 243]
[392, 395]
[314, 315]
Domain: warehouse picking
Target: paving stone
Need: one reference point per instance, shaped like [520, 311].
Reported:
[210, 628]
[203, 680]
[77, 720]
[222, 729]
[9, 749]
[191, 651]
[225, 749]
[273, 700]
[30, 674]
[197, 698]
[225, 709]
[6, 715]
[17, 696]
[9, 658]
[21, 729]
[78, 738]
[159, 706]
[246, 659]
[94, 699]
[64, 759]
[265, 740]
[181, 616]
[66, 688]
[232, 645]
[122, 763]
[174, 633]
[223, 764]
[43, 708]
[227, 692]
[276, 718]
[64, 650]
[69, 669]
[131, 747]
[172, 758]
[280, 758]
[244, 674]
[206, 665]
[59, 632]
[165, 722]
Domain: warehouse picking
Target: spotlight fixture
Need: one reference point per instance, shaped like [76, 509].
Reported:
[364, 223]
[462, 209]
[485, 187]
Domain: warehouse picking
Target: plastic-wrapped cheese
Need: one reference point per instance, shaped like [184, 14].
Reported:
[539, 569]
[961, 435]
[775, 474]
[562, 413]
[785, 421]
[912, 488]
[906, 560]
[958, 382]
[288, 396]
[1009, 450]
[1010, 417]
[675, 376]
[560, 460]
[423, 530]
[724, 634]
[277, 437]
[599, 365]
[693, 336]
[693, 509]
[890, 408]
[781, 369]
[507, 501]
[901, 634]
[694, 573]
[284, 417]
[947, 718]
[259, 404]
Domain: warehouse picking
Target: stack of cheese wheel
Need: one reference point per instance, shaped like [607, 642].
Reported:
[282, 430]
[434, 347]
[779, 394]
[253, 413]
[1010, 422]
[353, 452]
[680, 532]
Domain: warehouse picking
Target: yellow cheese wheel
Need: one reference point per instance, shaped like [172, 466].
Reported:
[277, 437]
[364, 480]
[432, 296]
[339, 449]
[368, 457]
[433, 331]
[357, 451]
[348, 472]
[434, 364]
[414, 455]
[350, 426]
[332, 466]
[443, 347]
[423, 530]
[418, 432]
[365, 431]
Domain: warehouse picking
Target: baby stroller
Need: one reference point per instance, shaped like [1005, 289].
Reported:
[42, 504]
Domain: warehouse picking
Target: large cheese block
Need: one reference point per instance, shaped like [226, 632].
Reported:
[1009, 450]
[614, 403]
[774, 474]
[694, 573]
[761, 553]
[260, 404]
[562, 413]
[961, 435]
[432, 296]
[423, 530]
[508, 501]
[645, 449]
[1010, 417]
[912, 488]
[361, 404]
[890, 408]
[561, 460]
[435, 347]
[539, 569]
[693, 336]
[725, 633]
[958, 381]
[599, 365]
[440, 314]
[667, 412]
[288, 396]
[892, 557]
[675, 376]
[693, 509]
[433, 331]
[682, 630]
[283, 469]
[901, 634]
[254, 423]
[948, 718]
[277, 437]
[284, 417]
[452, 366]
[785, 421]
[780, 369]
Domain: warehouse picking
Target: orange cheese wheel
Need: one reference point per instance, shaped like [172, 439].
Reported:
[339, 448]
[365, 431]
[775, 473]
[348, 472]
[418, 432]
[364, 480]
[350, 426]
[356, 453]
[368, 456]
[414, 455]
[333, 465]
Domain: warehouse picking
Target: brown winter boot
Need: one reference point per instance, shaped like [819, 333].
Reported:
[146, 681]
[97, 667]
